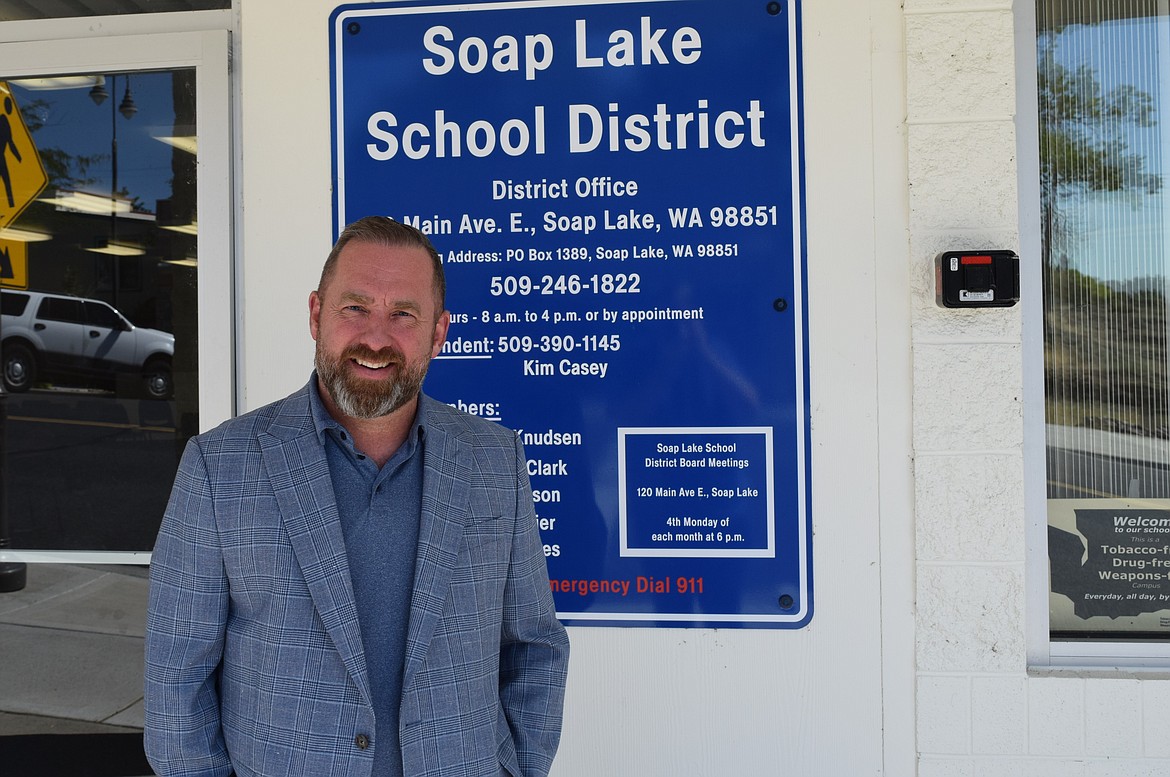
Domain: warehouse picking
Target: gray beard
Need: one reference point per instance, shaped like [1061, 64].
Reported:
[368, 399]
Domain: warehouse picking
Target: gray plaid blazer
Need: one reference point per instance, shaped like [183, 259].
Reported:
[254, 659]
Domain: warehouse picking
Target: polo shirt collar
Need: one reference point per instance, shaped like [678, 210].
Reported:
[323, 421]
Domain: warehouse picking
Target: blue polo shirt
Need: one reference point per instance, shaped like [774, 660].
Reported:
[380, 510]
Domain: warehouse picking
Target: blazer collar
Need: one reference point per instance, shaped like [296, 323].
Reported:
[446, 504]
[294, 459]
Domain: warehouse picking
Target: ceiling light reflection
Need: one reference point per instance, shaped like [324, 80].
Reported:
[83, 202]
[119, 249]
[49, 83]
[23, 235]
[190, 144]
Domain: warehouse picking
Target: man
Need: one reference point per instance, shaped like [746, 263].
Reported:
[350, 581]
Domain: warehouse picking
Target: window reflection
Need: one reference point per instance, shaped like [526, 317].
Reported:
[99, 353]
[1107, 389]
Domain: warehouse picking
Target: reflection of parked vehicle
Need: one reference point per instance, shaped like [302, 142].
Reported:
[53, 335]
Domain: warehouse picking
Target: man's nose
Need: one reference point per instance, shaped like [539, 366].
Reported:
[378, 333]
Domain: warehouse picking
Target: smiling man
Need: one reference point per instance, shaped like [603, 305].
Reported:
[350, 581]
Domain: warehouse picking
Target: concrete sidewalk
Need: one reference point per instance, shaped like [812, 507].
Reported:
[71, 647]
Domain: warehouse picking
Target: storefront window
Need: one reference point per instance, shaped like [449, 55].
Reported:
[1103, 129]
[99, 349]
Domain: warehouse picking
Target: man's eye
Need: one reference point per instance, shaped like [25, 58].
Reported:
[355, 308]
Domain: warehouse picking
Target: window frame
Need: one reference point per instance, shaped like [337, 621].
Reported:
[208, 52]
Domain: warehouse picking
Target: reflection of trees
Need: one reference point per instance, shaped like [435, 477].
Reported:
[71, 172]
[1082, 147]
[1105, 355]
[65, 170]
[1105, 346]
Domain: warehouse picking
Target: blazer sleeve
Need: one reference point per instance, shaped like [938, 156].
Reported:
[186, 620]
[534, 650]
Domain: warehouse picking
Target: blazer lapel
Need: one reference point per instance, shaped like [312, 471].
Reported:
[445, 504]
[299, 474]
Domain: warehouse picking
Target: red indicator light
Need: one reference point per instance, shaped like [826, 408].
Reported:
[975, 260]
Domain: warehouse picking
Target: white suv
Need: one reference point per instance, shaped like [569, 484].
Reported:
[62, 337]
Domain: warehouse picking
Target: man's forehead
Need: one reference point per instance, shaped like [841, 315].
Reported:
[368, 256]
[391, 254]
[375, 256]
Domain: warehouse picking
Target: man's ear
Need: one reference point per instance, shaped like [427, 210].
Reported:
[314, 313]
[440, 335]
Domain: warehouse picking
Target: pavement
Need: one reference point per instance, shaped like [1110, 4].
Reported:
[71, 652]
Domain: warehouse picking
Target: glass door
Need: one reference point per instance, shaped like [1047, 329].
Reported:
[115, 236]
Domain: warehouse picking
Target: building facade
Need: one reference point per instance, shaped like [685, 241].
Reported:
[937, 647]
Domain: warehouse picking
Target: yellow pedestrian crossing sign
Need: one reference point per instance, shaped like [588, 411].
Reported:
[22, 174]
[13, 264]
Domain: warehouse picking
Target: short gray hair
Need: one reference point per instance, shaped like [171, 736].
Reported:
[385, 231]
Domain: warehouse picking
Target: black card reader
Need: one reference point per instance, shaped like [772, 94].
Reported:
[977, 279]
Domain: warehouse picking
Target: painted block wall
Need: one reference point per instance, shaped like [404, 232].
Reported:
[979, 712]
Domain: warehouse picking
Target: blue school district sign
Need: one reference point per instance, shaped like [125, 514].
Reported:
[616, 192]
